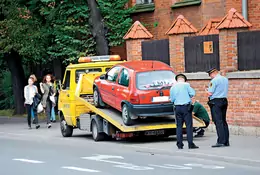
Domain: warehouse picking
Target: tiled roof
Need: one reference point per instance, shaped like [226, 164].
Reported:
[180, 26]
[210, 27]
[138, 31]
[233, 20]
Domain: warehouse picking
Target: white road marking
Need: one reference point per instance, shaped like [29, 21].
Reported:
[80, 169]
[103, 158]
[29, 161]
[134, 167]
[169, 166]
[204, 166]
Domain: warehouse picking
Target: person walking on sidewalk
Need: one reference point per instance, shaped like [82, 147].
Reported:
[29, 92]
[180, 95]
[218, 103]
[47, 90]
[34, 83]
[200, 112]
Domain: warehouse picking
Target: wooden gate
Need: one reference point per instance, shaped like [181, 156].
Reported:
[248, 44]
[201, 53]
[156, 50]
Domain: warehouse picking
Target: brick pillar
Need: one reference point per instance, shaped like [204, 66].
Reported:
[134, 49]
[228, 28]
[177, 55]
[228, 49]
[179, 29]
[134, 37]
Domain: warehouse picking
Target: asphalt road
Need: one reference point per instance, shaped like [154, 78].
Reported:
[45, 151]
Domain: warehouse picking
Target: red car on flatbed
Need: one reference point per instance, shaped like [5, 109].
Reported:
[137, 89]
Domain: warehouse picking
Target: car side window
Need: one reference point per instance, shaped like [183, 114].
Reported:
[66, 85]
[124, 78]
[113, 74]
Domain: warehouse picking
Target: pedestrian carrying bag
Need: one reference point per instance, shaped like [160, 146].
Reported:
[39, 108]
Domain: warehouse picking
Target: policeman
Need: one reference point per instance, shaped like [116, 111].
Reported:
[217, 92]
[181, 94]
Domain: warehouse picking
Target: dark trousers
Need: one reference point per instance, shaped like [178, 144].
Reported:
[218, 112]
[184, 115]
[48, 110]
[29, 116]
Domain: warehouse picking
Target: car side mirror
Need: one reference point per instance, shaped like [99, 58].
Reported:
[103, 77]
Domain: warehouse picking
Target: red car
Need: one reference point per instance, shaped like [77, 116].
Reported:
[137, 89]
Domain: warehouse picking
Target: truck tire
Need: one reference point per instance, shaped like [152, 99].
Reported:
[126, 116]
[97, 99]
[97, 136]
[66, 130]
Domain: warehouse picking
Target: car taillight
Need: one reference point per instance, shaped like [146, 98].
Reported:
[134, 98]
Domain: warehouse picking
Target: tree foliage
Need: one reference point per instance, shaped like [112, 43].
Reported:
[69, 30]
[117, 19]
[21, 32]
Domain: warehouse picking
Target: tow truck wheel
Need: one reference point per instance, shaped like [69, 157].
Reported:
[66, 130]
[97, 136]
[97, 99]
[126, 116]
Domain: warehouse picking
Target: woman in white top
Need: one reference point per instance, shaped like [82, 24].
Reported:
[29, 92]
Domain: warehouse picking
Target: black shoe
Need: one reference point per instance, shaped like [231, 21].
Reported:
[29, 127]
[193, 146]
[37, 126]
[227, 144]
[217, 145]
[33, 121]
[54, 121]
[49, 125]
[180, 147]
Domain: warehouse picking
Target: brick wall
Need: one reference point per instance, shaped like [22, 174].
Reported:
[254, 13]
[134, 50]
[243, 96]
[119, 50]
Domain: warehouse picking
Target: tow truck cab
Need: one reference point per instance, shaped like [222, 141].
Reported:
[69, 107]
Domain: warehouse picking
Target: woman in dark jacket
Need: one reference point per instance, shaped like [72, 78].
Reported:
[47, 90]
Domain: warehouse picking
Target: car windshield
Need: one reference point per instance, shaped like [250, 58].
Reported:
[155, 79]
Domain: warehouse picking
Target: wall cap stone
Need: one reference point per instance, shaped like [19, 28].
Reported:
[253, 74]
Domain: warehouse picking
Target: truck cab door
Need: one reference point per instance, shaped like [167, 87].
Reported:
[65, 97]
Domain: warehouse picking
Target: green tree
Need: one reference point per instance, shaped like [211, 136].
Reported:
[21, 39]
[117, 19]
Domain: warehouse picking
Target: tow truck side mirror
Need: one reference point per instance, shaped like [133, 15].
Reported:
[103, 77]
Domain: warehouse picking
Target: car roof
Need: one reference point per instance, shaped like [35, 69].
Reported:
[146, 65]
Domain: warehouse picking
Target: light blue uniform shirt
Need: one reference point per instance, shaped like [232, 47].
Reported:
[181, 93]
[218, 86]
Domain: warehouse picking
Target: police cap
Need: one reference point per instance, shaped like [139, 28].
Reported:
[211, 70]
[180, 75]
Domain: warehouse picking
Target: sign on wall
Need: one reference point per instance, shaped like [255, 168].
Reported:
[208, 47]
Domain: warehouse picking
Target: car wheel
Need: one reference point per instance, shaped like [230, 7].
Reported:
[66, 130]
[97, 99]
[126, 116]
[97, 136]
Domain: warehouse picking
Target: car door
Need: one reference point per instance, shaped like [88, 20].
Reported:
[65, 96]
[122, 88]
[107, 89]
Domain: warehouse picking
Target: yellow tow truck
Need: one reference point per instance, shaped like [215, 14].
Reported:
[76, 108]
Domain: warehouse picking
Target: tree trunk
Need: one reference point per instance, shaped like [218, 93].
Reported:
[14, 63]
[98, 28]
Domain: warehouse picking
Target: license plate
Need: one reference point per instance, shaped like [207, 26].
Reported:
[153, 133]
[161, 99]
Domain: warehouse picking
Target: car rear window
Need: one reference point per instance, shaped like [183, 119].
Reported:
[154, 79]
